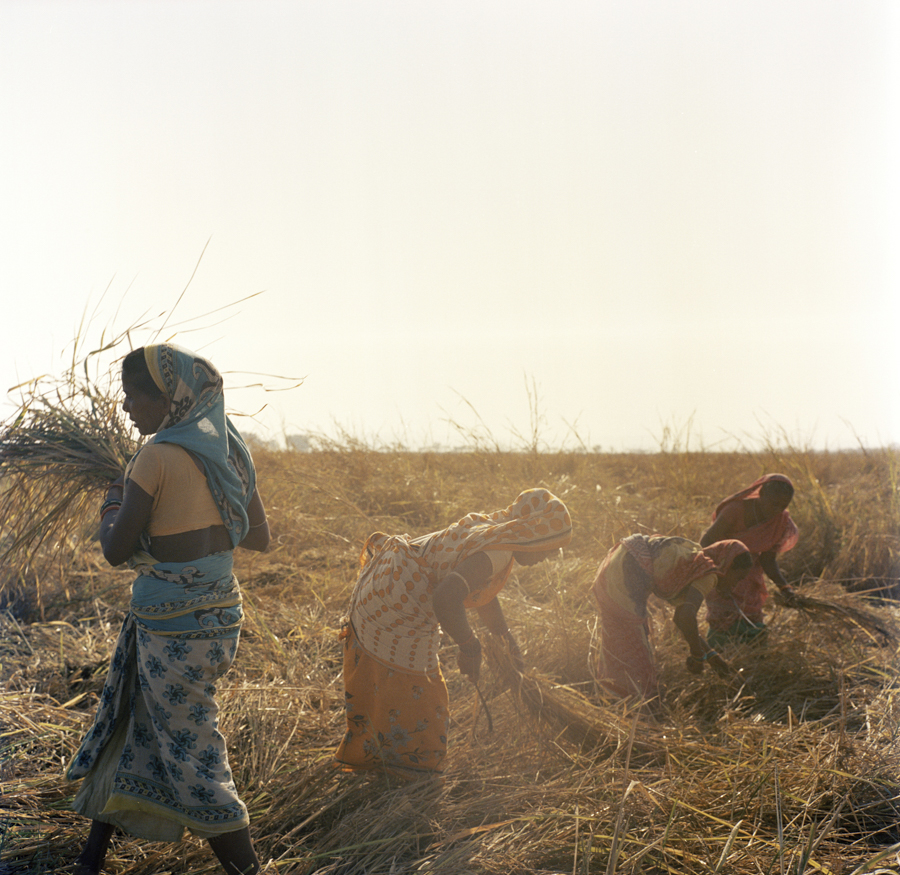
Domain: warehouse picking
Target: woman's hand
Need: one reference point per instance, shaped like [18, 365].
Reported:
[787, 596]
[694, 664]
[469, 659]
[719, 666]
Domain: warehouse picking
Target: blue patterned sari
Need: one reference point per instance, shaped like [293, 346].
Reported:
[154, 761]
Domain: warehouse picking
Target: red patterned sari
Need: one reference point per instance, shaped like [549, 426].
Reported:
[632, 570]
[778, 534]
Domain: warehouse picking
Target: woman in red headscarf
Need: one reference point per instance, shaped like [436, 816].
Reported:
[675, 570]
[758, 516]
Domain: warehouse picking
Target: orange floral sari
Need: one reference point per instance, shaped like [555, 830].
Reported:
[395, 696]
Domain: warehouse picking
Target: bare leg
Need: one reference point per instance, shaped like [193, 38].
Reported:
[90, 860]
[235, 852]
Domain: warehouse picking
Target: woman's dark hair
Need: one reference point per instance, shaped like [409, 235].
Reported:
[776, 486]
[742, 562]
[134, 368]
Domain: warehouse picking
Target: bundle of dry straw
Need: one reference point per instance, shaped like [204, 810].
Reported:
[65, 443]
[847, 614]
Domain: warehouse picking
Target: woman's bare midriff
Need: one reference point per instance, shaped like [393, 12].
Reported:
[189, 546]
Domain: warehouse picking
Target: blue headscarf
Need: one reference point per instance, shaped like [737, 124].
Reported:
[196, 421]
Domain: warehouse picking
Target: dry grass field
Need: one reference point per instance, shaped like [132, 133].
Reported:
[794, 770]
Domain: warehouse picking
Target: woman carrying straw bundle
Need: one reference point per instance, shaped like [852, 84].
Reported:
[758, 517]
[409, 590]
[154, 761]
[675, 570]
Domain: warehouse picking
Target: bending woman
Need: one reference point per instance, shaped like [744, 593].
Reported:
[675, 570]
[409, 590]
[758, 516]
[154, 761]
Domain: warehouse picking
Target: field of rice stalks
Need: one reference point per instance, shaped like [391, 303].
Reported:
[793, 769]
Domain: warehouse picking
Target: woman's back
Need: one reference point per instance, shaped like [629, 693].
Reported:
[185, 523]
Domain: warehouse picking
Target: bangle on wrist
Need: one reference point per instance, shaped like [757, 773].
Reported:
[109, 505]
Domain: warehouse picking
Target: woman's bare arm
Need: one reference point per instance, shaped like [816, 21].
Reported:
[769, 563]
[120, 530]
[686, 620]
[258, 535]
[471, 574]
[729, 521]
[492, 616]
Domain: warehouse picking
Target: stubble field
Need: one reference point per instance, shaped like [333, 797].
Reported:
[793, 770]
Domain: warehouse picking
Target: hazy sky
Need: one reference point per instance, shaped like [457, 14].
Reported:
[641, 214]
